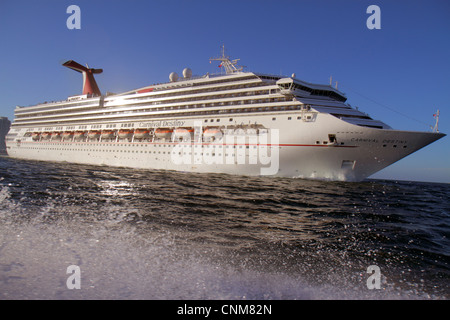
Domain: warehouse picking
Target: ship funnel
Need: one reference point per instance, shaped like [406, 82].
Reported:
[89, 85]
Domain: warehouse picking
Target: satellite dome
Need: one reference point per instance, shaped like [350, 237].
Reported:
[187, 73]
[293, 75]
[173, 77]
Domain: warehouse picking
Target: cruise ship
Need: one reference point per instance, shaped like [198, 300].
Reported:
[235, 122]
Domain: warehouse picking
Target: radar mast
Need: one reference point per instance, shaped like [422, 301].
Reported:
[230, 66]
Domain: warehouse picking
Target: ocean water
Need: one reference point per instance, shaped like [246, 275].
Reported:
[142, 234]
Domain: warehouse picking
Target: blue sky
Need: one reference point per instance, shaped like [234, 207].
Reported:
[399, 74]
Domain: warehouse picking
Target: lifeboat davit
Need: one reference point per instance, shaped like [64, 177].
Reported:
[163, 133]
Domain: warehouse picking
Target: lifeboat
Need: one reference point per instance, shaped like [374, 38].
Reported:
[67, 135]
[163, 133]
[79, 135]
[94, 134]
[124, 134]
[56, 136]
[36, 136]
[183, 134]
[141, 133]
[212, 133]
[108, 134]
[46, 135]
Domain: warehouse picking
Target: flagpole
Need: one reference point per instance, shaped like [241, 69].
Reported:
[436, 126]
[437, 121]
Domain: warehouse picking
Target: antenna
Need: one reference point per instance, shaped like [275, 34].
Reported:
[226, 63]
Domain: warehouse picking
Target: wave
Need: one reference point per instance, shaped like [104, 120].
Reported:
[164, 235]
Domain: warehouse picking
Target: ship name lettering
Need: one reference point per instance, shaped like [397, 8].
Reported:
[156, 124]
[152, 124]
[174, 123]
[395, 141]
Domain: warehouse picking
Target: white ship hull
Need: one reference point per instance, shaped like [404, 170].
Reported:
[303, 150]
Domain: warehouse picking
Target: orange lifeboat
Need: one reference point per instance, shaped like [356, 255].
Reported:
[68, 135]
[141, 133]
[56, 136]
[94, 134]
[184, 130]
[79, 135]
[163, 133]
[108, 134]
[36, 136]
[46, 135]
[212, 133]
[124, 134]
[183, 133]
